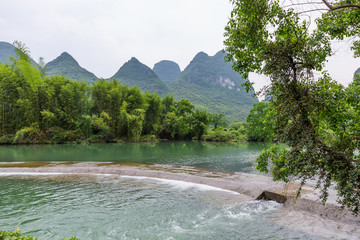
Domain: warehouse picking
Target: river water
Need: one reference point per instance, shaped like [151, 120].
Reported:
[237, 157]
[106, 206]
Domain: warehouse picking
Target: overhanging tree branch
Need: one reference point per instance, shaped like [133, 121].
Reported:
[331, 7]
[302, 107]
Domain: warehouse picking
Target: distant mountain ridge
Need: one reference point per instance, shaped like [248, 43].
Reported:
[66, 65]
[135, 73]
[168, 71]
[7, 50]
[208, 82]
[211, 83]
[357, 71]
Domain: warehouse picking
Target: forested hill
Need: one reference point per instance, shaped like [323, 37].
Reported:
[134, 73]
[66, 65]
[168, 71]
[357, 71]
[209, 82]
[7, 50]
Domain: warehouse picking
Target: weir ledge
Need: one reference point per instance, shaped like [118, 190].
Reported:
[252, 186]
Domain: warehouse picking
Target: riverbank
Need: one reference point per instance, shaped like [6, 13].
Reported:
[9, 140]
[250, 186]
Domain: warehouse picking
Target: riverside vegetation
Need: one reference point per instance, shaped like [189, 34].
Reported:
[16, 235]
[208, 82]
[36, 108]
[318, 119]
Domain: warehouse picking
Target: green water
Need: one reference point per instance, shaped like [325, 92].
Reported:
[220, 156]
[131, 208]
[115, 207]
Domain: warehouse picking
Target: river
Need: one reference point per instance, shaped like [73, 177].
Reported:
[106, 206]
[238, 157]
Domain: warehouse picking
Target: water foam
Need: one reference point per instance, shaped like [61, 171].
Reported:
[181, 185]
[6, 174]
[246, 210]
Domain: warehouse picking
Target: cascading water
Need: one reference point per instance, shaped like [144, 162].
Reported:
[111, 206]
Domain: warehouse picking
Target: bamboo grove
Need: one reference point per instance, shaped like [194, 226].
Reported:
[35, 108]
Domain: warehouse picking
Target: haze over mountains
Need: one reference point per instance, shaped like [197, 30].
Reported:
[66, 65]
[7, 50]
[134, 73]
[208, 82]
[168, 71]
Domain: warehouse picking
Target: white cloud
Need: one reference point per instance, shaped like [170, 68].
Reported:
[103, 34]
[3, 22]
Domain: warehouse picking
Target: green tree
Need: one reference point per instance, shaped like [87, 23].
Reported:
[153, 113]
[218, 120]
[239, 127]
[9, 84]
[342, 20]
[22, 52]
[68, 100]
[168, 103]
[184, 107]
[175, 126]
[109, 97]
[199, 123]
[135, 124]
[35, 108]
[135, 99]
[263, 37]
[176, 118]
[258, 128]
[25, 70]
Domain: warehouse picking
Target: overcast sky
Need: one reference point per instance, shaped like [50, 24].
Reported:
[103, 34]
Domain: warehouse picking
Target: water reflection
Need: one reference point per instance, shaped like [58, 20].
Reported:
[220, 156]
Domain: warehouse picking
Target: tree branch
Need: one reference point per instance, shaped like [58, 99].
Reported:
[314, 10]
[301, 4]
[332, 8]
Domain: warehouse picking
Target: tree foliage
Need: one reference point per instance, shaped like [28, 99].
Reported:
[342, 21]
[210, 83]
[258, 124]
[218, 120]
[17, 235]
[35, 108]
[14, 235]
[317, 119]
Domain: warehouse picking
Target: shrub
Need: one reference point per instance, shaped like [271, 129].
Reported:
[220, 135]
[31, 134]
[7, 139]
[14, 235]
